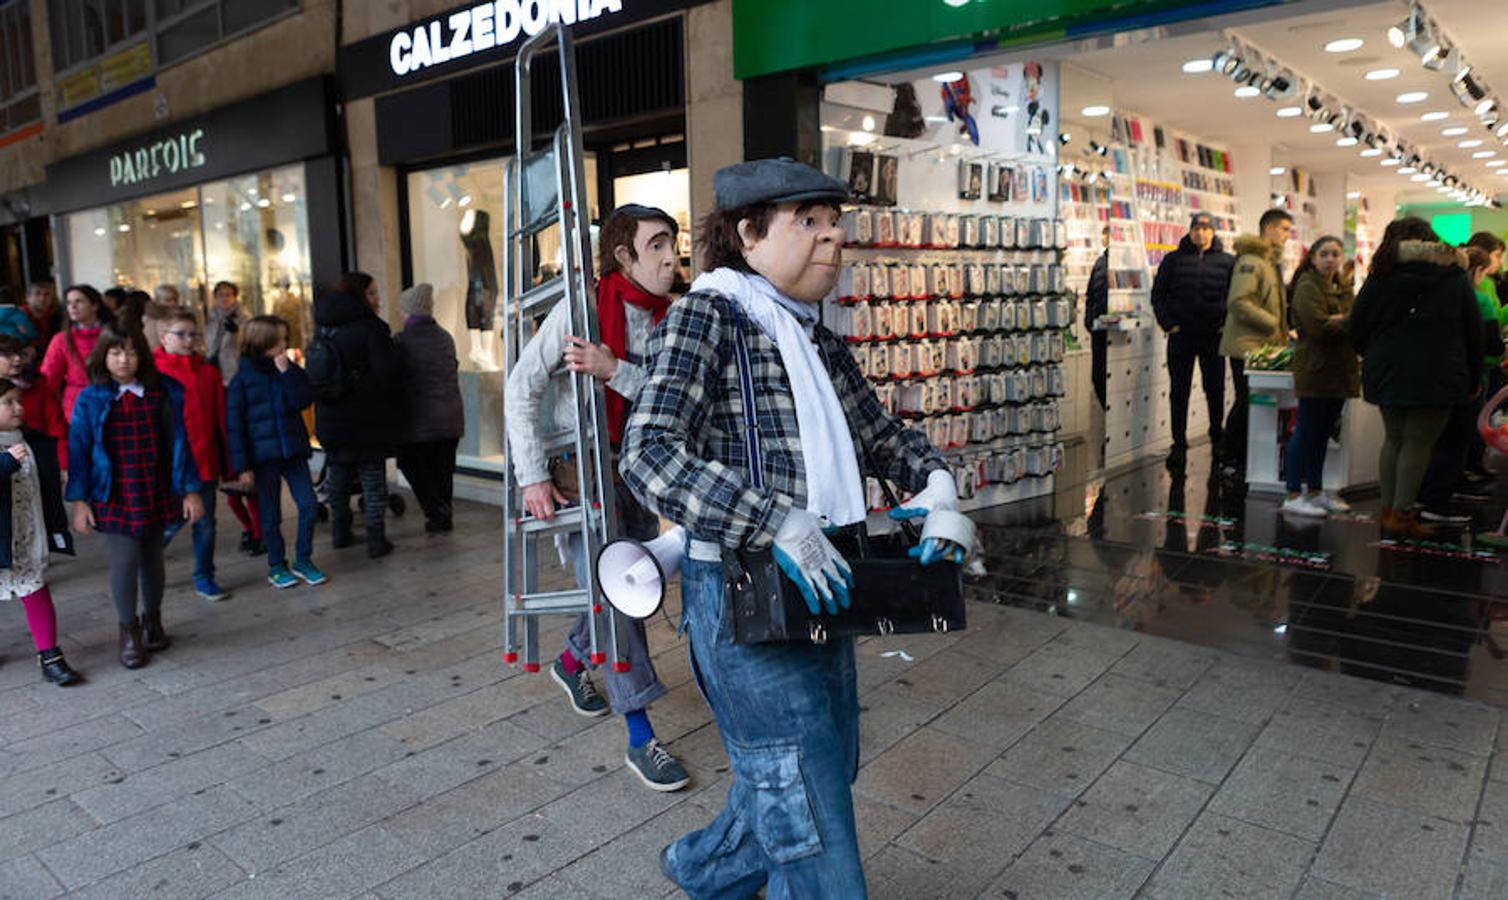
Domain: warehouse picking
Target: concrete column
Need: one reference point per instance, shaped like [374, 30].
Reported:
[374, 205]
[714, 100]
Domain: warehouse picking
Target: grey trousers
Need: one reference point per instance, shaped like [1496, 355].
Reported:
[640, 685]
[136, 560]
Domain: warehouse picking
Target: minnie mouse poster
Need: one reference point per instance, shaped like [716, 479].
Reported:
[1037, 116]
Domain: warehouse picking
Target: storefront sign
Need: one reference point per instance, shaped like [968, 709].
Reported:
[101, 80]
[292, 123]
[168, 156]
[478, 34]
[772, 36]
[485, 26]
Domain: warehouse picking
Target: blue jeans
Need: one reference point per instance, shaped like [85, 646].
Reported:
[1304, 460]
[270, 477]
[204, 535]
[788, 715]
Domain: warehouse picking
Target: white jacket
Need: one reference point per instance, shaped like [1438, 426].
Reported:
[540, 378]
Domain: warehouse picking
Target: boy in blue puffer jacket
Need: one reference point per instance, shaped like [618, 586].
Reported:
[270, 445]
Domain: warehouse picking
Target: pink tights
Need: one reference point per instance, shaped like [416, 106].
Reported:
[41, 618]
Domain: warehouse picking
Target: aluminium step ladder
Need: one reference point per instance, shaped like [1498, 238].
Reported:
[544, 197]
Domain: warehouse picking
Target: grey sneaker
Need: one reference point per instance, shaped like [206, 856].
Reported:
[579, 688]
[656, 767]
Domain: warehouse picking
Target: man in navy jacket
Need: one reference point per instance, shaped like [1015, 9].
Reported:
[1188, 299]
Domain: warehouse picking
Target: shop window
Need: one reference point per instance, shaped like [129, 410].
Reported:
[252, 230]
[84, 29]
[19, 104]
[186, 27]
[456, 244]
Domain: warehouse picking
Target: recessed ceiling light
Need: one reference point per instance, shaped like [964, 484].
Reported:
[1443, 189]
[1454, 131]
[1467, 145]
[1391, 161]
[1278, 170]
[1321, 127]
[1248, 90]
[1344, 45]
[1352, 195]
[1484, 154]
[1419, 177]
[1289, 112]
[1413, 97]
[1495, 163]
[1095, 112]
[1381, 74]
[1346, 141]
[1196, 66]
[1408, 170]
[1436, 116]
[1372, 151]
[947, 77]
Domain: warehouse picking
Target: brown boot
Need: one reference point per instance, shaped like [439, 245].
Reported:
[1392, 523]
[153, 637]
[1415, 529]
[132, 654]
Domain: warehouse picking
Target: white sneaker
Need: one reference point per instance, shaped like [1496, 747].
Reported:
[1331, 502]
[1300, 506]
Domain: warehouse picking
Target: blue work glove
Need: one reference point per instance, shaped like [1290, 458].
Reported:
[941, 493]
[808, 559]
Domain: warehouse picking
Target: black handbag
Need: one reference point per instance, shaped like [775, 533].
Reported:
[892, 592]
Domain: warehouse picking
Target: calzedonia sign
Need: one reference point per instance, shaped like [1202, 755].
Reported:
[168, 156]
[484, 27]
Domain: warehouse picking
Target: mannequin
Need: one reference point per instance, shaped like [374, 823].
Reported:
[481, 287]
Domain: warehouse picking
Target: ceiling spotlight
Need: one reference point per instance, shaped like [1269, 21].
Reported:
[1485, 108]
[1467, 88]
[1198, 66]
[1403, 32]
[1095, 147]
[1275, 87]
[1225, 61]
[1344, 45]
[1502, 130]
[1441, 57]
[1064, 138]
[1413, 97]
[1314, 107]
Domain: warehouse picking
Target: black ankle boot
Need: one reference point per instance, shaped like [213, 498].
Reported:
[56, 669]
[340, 532]
[153, 637]
[247, 542]
[378, 545]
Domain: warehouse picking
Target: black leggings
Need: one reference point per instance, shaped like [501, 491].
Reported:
[136, 560]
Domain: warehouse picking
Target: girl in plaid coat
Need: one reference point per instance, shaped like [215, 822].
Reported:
[130, 474]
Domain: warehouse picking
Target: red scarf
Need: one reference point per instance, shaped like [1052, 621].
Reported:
[612, 292]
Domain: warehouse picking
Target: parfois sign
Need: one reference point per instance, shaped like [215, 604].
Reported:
[168, 156]
[484, 27]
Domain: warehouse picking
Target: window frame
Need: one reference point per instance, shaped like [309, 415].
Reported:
[18, 60]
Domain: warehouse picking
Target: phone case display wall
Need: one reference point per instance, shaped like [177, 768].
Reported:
[1294, 191]
[1152, 182]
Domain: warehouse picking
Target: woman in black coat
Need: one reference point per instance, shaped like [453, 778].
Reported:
[357, 422]
[1418, 328]
[436, 420]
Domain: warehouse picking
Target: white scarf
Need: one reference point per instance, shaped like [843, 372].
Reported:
[834, 485]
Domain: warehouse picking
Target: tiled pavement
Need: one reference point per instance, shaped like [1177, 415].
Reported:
[363, 740]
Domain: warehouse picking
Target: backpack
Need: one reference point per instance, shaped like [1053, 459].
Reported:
[328, 375]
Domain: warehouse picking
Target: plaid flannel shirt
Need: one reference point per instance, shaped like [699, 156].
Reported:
[684, 454]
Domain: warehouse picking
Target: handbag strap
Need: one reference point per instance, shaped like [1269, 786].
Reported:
[746, 395]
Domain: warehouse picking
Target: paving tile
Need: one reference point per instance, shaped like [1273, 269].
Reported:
[1064, 666]
[449, 820]
[1487, 858]
[453, 717]
[629, 865]
[1165, 663]
[878, 823]
[1283, 792]
[984, 824]
[1193, 744]
[1391, 851]
[42, 826]
[1120, 704]
[1251, 691]
[1062, 866]
[1060, 756]
[43, 785]
[1010, 635]
[1356, 695]
[887, 715]
[297, 777]
[197, 870]
[923, 770]
[1444, 722]
[129, 793]
[1136, 809]
[1430, 780]
[463, 759]
[128, 842]
[898, 872]
[85, 737]
[944, 679]
[25, 878]
[998, 714]
[1322, 732]
[1226, 857]
[349, 866]
[1316, 889]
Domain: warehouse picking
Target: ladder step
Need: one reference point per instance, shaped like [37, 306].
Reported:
[560, 440]
[574, 600]
[568, 519]
[547, 218]
[545, 294]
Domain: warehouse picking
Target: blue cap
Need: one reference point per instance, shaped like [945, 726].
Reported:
[780, 180]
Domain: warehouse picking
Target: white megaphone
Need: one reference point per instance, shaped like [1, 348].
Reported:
[633, 575]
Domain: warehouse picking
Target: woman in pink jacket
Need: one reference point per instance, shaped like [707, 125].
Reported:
[63, 366]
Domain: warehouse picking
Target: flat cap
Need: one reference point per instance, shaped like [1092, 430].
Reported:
[773, 181]
[1201, 218]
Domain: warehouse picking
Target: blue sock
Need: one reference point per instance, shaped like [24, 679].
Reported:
[640, 732]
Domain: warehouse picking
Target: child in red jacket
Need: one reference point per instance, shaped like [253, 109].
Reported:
[204, 421]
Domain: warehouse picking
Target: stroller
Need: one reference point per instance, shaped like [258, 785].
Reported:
[396, 505]
[1492, 424]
